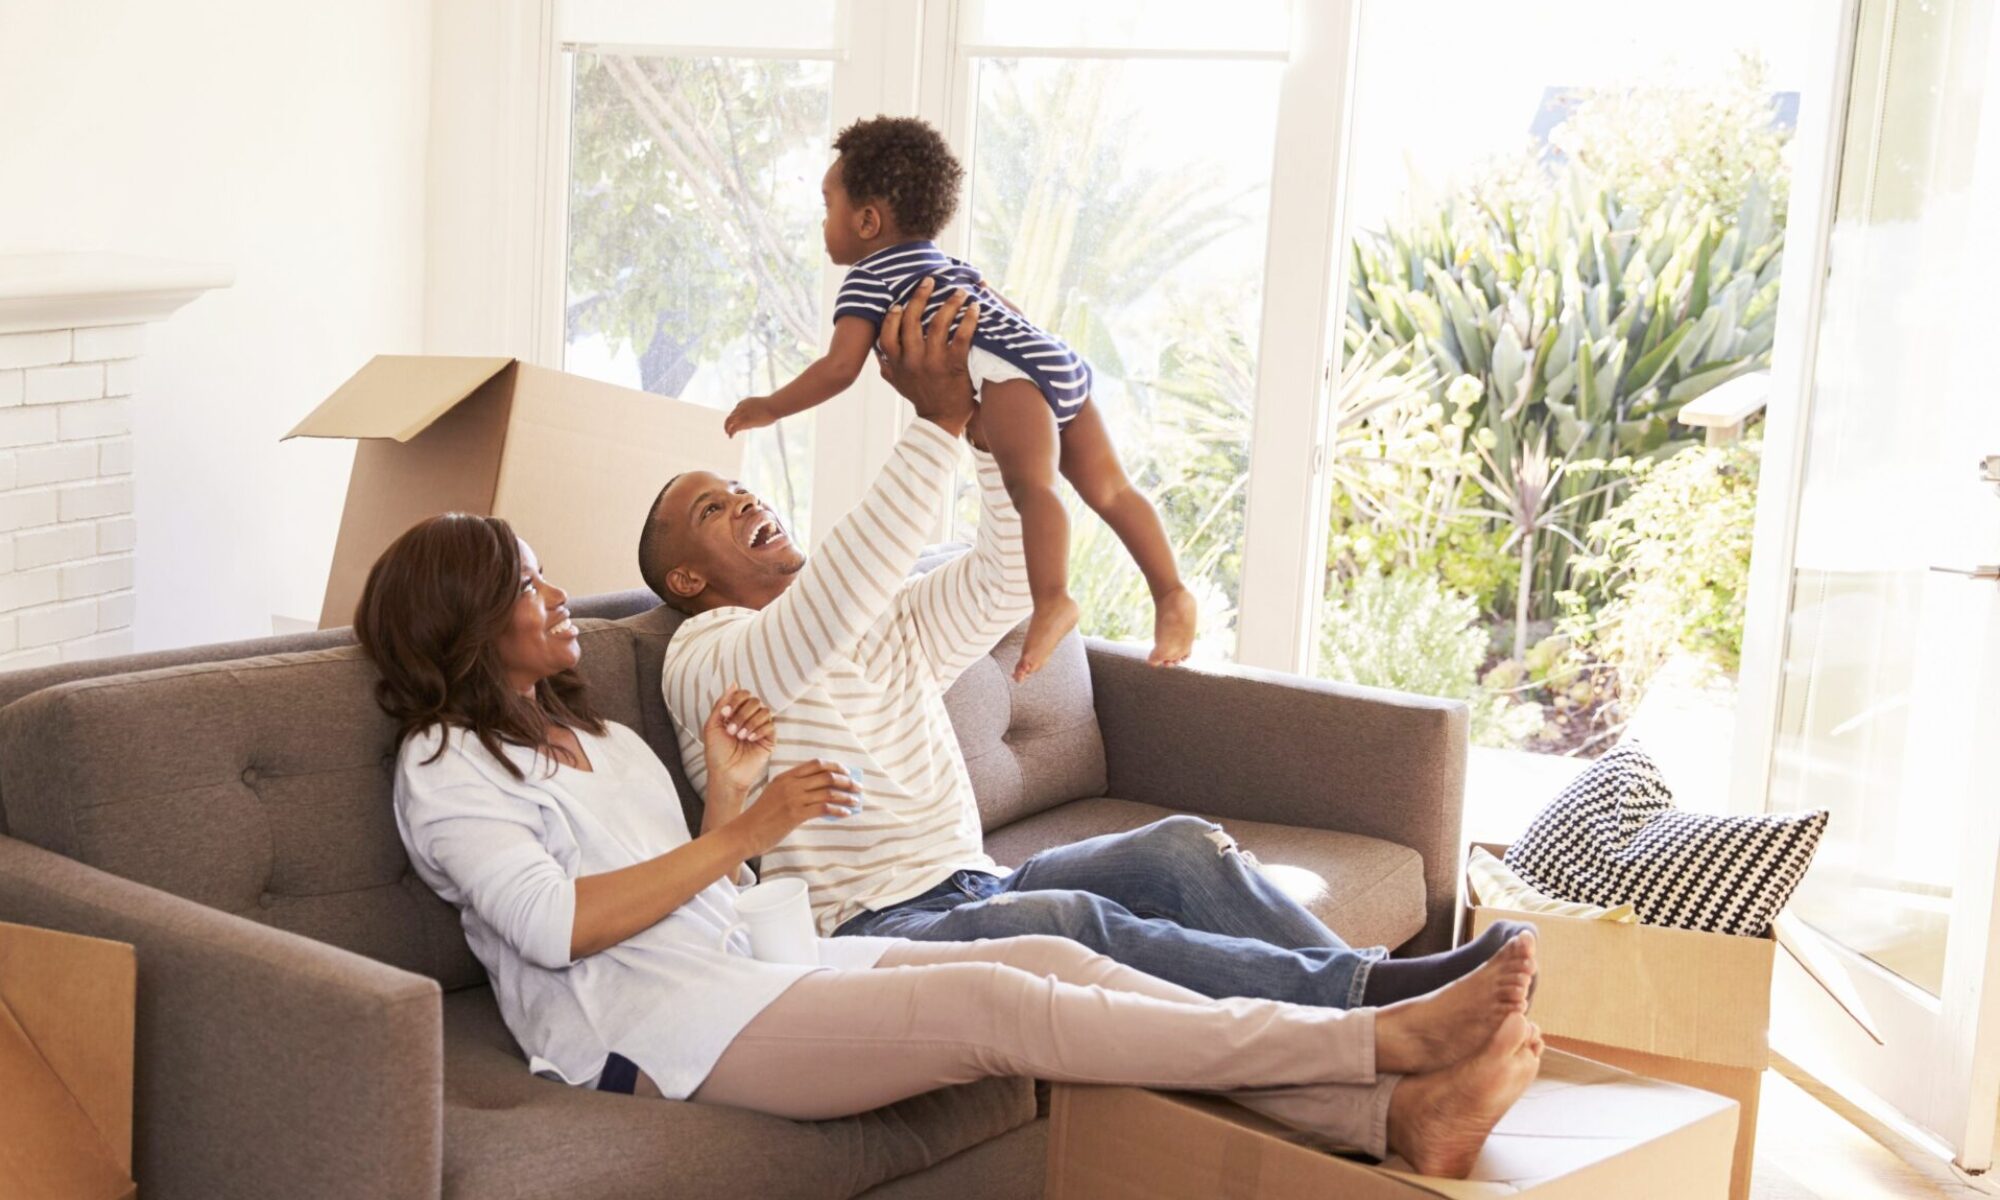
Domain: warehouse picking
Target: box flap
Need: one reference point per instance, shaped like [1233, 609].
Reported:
[398, 396]
[582, 462]
[66, 1013]
[1583, 1131]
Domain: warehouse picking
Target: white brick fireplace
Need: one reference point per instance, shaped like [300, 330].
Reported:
[72, 332]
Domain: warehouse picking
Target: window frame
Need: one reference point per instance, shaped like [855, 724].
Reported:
[913, 57]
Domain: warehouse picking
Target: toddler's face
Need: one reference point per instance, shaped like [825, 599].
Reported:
[842, 226]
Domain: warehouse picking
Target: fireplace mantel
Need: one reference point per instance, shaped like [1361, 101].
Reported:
[90, 289]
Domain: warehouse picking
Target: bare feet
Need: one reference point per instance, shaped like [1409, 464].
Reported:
[1436, 1030]
[1175, 616]
[1438, 1122]
[1051, 622]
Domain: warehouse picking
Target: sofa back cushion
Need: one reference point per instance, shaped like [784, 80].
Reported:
[1033, 745]
[1028, 747]
[262, 787]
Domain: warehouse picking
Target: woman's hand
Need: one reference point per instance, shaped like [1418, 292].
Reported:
[737, 740]
[820, 788]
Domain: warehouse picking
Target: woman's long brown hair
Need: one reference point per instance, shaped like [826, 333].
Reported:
[431, 617]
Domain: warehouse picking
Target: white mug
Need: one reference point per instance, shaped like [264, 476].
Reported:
[779, 920]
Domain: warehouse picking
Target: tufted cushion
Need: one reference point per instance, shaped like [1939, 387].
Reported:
[1369, 891]
[1028, 746]
[261, 787]
[509, 1134]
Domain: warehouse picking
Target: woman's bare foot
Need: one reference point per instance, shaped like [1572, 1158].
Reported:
[1436, 1030]
[1175, 618]
[1438, 1122]
[1050, 623]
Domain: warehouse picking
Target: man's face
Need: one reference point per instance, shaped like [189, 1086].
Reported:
[725, 547]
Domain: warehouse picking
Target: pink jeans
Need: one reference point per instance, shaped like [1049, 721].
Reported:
[933, 1014]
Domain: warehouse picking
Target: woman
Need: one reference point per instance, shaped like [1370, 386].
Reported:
[559, 837]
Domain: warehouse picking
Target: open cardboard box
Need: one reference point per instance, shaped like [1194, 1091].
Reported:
[66, 1023]
[1674, 1004]
[1583, 1131]
[570, 462]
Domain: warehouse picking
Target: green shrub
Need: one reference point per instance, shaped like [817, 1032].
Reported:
[1673, 558]
[1404, 632]
[1568, 314]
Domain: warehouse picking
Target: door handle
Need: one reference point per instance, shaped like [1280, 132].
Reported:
[1984, 572]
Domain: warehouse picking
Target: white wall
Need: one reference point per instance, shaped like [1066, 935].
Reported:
[287, 139]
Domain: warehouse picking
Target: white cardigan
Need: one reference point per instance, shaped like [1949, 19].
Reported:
[507, 853]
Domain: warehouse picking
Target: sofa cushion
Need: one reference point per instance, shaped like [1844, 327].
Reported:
[1368, 891]
[1027, 746]
[509, 1134]
[261, 787]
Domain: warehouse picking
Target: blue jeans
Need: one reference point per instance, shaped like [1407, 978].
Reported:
[1175, 899]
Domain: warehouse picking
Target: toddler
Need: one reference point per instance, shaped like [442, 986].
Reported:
[892, 187]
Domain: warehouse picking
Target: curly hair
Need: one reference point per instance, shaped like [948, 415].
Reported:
[904, 164]
[431, 617]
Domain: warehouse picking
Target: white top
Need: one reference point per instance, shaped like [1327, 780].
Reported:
[854, 658]
[507, 853]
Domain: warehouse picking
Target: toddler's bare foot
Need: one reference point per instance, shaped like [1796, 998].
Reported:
[1438, 1122]
[1175, 616]
[1440, 1028]
[1051, 622]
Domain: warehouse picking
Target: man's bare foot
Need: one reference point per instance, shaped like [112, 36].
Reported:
[1439, 1121]
[1051, 622]
[1434, 1031]
[1175, 617]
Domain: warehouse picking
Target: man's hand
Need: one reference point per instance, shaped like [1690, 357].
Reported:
[926, 365]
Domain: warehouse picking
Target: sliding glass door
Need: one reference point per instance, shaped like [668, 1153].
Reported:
[1889, 679]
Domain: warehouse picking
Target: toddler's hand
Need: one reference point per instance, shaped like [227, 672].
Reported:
[753, 413]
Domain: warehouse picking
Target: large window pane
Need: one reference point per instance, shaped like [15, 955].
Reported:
[1124, 205]
[1543, 265]
[695, 252]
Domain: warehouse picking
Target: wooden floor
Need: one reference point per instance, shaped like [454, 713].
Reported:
[1813, 1146]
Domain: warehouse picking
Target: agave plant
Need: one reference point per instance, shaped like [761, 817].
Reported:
[1528, 489]
[1587, 325]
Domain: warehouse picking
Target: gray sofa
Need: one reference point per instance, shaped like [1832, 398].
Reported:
[311, 1023]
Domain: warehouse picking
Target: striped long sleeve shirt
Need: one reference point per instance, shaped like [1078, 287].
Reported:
[854, 659]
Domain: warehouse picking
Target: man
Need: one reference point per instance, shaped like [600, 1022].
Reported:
[854, 657]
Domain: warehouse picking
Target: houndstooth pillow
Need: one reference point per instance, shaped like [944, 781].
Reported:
[1614, 836]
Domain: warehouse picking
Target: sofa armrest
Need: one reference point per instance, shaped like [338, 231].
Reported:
[1265, 746]
[268, 1064]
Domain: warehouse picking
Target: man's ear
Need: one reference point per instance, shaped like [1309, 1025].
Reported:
[685, 584]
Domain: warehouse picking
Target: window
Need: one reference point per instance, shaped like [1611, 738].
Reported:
[694, 251]
[1122, 202]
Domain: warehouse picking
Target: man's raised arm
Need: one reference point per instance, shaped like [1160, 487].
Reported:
[853, 577]
[961, 609]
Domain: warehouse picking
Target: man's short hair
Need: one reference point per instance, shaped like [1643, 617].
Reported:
[654, 550]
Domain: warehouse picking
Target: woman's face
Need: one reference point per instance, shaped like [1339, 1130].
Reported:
[541, 639]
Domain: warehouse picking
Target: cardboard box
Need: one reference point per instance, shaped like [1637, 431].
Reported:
[1673, 1004]
[66, 1012]
[572, 463]
[1583, 1131]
